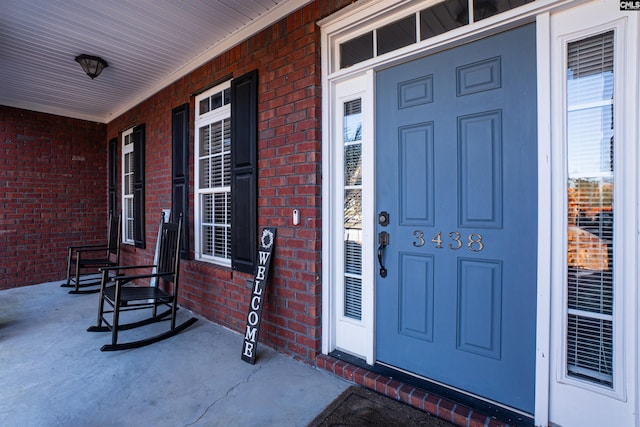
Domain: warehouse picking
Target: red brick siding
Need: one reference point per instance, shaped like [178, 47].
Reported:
[53, 193]
[287, 57]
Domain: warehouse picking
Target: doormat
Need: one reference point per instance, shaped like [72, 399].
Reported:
[357, 406]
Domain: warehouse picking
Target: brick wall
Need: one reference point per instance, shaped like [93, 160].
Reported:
[53, 193]
[287, 57]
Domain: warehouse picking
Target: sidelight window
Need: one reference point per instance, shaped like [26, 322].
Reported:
[352, 140]
[590, 220]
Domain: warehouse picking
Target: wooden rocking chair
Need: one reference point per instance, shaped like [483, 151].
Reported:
[119, 298]
[85, 260]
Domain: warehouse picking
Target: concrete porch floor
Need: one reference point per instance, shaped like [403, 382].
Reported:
[52, 372]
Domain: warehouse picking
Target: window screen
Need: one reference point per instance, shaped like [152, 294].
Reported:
[590, 134]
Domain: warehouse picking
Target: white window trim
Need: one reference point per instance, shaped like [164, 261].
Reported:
[351, 335]
[128, 149]
[200, 120]
[625, 185]
[571, 399]
[563, 41]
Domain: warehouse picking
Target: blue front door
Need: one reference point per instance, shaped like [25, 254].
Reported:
[456, 171]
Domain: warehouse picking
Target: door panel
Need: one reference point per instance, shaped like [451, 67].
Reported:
[480, 169]
[480, 307]
[416, 297]
[416, 172]
[456, 170]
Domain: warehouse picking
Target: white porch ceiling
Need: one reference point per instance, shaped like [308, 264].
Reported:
[148, 44]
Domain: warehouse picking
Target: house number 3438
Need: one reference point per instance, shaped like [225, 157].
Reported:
[473, 240]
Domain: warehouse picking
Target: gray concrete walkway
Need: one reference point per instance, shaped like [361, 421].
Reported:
[52, 373]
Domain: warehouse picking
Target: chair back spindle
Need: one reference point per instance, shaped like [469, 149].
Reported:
[113, 243]
[169, 257]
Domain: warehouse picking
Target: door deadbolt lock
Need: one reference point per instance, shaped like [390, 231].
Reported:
[383, 218]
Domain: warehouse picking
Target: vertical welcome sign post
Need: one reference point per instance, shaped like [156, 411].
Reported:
[254, 317]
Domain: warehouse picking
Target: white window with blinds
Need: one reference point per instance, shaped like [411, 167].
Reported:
[213, 175]
[593, 212]
[127, 186]
[352, 140]
[349, 174]
[591, 291]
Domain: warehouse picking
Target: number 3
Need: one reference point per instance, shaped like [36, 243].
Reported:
[455, 236]
[420, 236]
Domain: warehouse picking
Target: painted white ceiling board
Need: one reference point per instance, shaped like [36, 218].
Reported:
[148, 44]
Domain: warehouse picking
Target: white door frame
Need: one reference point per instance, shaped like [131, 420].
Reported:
[366, 15]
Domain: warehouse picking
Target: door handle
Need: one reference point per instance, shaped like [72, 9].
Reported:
[383, 242]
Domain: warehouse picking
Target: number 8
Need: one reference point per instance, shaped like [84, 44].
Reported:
[475, 238]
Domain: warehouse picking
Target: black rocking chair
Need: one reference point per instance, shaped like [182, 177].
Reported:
[87, 259]
[120, 298]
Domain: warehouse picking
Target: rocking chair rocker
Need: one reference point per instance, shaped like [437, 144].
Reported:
[87, 259]
[120, 298]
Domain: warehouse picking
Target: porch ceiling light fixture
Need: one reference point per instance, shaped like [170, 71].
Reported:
[92, 65]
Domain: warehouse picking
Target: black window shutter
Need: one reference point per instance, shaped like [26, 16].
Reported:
[180, 172]
[113, 173]
[244, 172]
[138, 187]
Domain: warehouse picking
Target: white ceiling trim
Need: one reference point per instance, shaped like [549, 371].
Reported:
[33, 106]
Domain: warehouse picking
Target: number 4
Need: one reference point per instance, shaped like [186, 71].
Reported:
[437, 239]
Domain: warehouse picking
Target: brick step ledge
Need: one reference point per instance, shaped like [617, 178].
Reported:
[432, 404]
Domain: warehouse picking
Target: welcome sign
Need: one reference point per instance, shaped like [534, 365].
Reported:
[254, 316]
